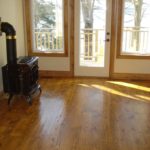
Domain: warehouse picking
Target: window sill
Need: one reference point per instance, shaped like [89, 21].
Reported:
[132, 56]
[42, 54]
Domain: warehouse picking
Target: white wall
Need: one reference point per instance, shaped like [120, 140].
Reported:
[132, 66]
[54, 64]
[11, 11]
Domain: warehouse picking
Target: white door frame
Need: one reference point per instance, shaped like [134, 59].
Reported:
[91, 71]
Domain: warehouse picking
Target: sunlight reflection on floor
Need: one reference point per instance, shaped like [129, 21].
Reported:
[131, 85]
[112, 91]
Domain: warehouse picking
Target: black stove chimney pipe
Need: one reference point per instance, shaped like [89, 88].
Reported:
[10, 42]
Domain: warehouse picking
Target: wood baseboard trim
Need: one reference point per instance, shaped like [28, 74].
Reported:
[90, 77]
[130, 76]
[46, 74]
[115, 76]
[1, 93]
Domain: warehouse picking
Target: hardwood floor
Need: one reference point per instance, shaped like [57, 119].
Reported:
[79, 114]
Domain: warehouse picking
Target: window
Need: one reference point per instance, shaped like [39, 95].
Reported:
[47, 27]
[134, 28]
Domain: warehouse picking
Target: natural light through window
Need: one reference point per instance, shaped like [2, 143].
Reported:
[48, 28]
[131, 96]
[131, 85]
[136, 27]
[92, 32]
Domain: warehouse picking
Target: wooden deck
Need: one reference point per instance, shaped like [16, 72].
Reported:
[79, 114]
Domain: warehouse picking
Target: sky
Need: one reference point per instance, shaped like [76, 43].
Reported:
[129, 19]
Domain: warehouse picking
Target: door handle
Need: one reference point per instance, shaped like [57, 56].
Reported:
[107, 40]
[107, 33]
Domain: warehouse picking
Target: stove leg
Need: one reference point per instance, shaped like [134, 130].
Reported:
[40, 89]
[29, 100]
[10, 98]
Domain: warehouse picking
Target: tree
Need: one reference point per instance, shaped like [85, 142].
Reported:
[87, 12]
[88, 8]
[44, 16]
[138, 5]
[45, 21]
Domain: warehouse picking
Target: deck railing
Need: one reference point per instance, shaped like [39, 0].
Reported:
[136, 40]
[92, 43]
[48, 39]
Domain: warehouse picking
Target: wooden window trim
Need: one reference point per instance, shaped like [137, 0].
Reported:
[28, 22]
[120, 7]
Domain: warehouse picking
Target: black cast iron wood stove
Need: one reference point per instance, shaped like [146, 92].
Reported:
[20, 76]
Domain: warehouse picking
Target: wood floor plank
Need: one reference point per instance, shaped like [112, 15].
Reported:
[79, 114]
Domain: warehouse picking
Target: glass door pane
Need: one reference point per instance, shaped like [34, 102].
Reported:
[92, 32]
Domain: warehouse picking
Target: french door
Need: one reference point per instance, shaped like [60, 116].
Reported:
[92, 37]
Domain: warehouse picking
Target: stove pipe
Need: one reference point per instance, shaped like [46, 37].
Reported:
[10, 32]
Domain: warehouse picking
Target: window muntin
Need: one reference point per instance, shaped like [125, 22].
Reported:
[136, 28]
